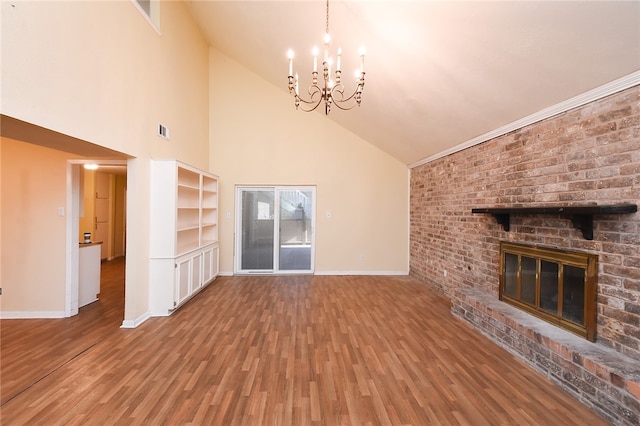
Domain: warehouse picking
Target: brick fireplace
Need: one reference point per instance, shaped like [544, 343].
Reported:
[588, 156]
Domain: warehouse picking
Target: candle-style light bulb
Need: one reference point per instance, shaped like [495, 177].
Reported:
[315, 59]
[290, 56]
[327, 40]
[362, 52]
[339, 59]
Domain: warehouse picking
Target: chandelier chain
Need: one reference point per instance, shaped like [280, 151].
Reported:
[327, 28]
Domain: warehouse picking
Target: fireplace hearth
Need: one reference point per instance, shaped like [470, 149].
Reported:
[603, 379]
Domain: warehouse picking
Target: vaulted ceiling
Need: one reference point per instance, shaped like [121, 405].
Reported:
[438, 73]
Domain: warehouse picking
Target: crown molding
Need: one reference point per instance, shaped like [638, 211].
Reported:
[615, 86]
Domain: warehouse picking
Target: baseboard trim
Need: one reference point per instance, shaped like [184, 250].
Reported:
[231, 274]
[136, 322]
[362, 273]
[31, 314]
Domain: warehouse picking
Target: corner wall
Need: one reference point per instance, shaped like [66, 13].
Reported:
[589, 155]
[258, 138]
[98, 73]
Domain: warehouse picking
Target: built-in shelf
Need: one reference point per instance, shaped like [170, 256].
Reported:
[183, 249]
[580, 216]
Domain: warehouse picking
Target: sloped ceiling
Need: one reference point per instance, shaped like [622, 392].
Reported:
[438, 73]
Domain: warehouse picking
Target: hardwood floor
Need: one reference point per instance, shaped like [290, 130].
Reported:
[303, 350]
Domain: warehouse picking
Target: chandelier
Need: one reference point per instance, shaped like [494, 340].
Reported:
[328, 90]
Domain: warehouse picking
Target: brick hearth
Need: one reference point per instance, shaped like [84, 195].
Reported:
[600, 377]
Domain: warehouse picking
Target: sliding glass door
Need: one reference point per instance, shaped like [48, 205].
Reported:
[274, 229]
[257, 215]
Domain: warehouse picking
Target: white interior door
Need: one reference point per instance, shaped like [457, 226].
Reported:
[274, 229]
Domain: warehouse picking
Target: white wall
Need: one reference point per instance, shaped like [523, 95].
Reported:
[97, 71]
[258, 137]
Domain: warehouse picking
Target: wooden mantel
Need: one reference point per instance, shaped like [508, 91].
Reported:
[581, 216]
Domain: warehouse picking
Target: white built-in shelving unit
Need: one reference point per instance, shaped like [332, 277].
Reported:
[183, 232]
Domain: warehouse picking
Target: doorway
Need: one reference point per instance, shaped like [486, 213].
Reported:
[94, 193]
[103, 208]
[275, 229]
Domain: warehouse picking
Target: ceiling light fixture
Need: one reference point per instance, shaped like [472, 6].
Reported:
[332, 92]
[91, 166]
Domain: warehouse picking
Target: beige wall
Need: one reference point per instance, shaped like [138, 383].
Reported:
[97, 71]
[33, 232]
[258, 137]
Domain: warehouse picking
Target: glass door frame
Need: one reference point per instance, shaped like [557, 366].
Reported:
[238, 248]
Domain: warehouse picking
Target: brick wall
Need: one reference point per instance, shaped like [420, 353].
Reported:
[589, 155]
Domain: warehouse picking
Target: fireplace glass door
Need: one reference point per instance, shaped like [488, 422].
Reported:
[557, 286]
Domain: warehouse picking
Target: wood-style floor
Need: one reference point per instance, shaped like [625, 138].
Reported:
[304, 350]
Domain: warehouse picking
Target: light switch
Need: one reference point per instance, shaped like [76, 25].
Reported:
[60, 211]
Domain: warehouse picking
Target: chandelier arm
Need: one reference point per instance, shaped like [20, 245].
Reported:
[341, 100]
[313, 104]
[340, 90]
[339, 104]
[309, 109]
[312, 92]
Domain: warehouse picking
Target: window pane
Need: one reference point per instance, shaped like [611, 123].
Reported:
[510, 274]
[549, 286]
[295, 229]
[573, 294]
[257, 229]
[528, 290]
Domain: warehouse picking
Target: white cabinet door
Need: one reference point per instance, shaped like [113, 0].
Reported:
[209, 264]
[183, 280]
[196, 272]
[89, 274]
